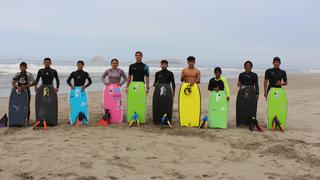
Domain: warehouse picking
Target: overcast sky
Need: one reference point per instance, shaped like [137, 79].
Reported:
[222, 31]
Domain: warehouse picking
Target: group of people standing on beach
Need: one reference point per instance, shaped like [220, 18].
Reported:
[139, 72]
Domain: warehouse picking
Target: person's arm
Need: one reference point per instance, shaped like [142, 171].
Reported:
[89, 81]
[182, 76]
[173, 84]
[14, 82]
[285, 80]
[124, 77]
[147, 78]
[226, 87]
[210, 85]
[198, 78]
[37, 81]
[147, 84]
[69, 80]
[103, 77]
[30, 80]
[155, 79]
[239, 84]
[129, 77]
[38, 78]
[256, 84]
[265, 84]
[57, 80]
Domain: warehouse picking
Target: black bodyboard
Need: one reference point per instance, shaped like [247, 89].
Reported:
[162, 102]
[47, 105]
[246, 105]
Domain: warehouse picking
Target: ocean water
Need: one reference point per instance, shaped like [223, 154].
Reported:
[9, 68]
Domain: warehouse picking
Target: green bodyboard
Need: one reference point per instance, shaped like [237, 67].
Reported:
[277, 106]
[137, 101]
[218, 110]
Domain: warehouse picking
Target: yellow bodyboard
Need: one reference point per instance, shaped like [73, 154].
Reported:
[189, 105]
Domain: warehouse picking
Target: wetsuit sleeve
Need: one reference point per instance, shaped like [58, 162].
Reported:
[124, 77]
[146, 70]
[173, 82]
[256, 83]
[57, 78]
[266, 75]
[210, 86]
[239, 79]
[38, 78]
[226, 86]
[156, 79]
[69, 79]
[103, 77]
[89, 80]
[130, 70]
[31, 79]
[285, 77]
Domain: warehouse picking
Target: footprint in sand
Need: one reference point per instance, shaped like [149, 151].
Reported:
[25, 176]
[87, 165]
[86, 178]
[237, 156]
[246, 146]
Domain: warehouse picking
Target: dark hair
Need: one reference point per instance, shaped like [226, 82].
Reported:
[80, 62]
[164, 62]
[191, 58]
[23, 64]
[139, 52]
[114, 59]
[247, 62]
[276, 59]
[217, 69]
[47, 59]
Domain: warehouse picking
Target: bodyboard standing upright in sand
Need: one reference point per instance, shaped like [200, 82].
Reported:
[277, 106]
[246, 105]
[47, 105]
[112, 101]
[18, 108]
[162, 103]
[189, 105]
[78, 101]
[137, 101]
[218, 110]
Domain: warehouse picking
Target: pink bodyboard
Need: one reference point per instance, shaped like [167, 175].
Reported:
[113, 101]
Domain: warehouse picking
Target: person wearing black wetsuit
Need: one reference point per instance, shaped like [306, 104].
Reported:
[249, 78]
[47, 75]
[139, 71]
[79, 77]
[23, 80]
[165, 76]
[274, 77]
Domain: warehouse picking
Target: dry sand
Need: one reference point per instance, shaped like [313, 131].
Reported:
[180, 153]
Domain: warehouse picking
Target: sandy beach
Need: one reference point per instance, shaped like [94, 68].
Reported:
[149, 152]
